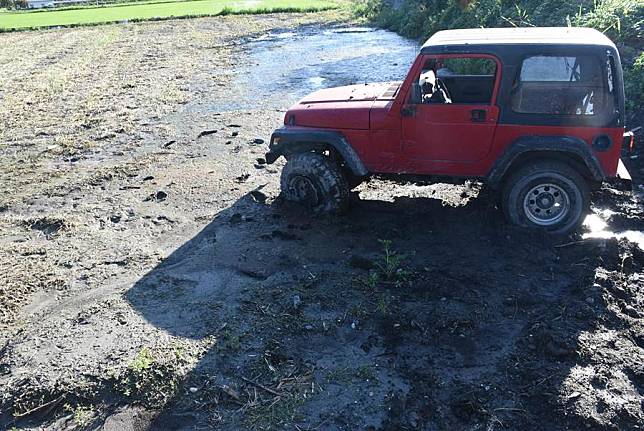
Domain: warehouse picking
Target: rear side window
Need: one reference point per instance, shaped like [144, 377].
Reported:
[544, 68]
[562, 85]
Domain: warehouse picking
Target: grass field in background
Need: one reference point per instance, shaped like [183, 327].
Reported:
[149, 11]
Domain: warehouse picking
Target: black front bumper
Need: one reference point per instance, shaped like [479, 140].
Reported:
[273, 153]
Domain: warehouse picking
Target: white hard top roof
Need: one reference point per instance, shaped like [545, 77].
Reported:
[520, 35]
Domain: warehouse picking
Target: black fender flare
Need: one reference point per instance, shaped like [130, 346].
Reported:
[286, 141]
[567, 145]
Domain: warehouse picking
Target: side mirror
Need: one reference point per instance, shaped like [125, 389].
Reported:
[415, 97]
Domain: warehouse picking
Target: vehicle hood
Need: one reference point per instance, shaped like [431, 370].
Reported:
[341, 107]
[353, 93]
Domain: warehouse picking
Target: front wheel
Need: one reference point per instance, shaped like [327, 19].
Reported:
[549, 195]
[315, 181]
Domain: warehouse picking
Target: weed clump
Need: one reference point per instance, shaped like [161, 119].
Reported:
[390, 269]
[153, 377]
[82, 415]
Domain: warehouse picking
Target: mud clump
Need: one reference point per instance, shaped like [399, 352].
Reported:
[48, 226]
[158, 196]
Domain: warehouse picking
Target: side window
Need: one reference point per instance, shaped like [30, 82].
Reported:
[552, 69]
[469, 66]
[561, 85]
[458, 80]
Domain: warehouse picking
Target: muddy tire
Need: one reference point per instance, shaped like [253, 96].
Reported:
[316, 182]
[548, 195]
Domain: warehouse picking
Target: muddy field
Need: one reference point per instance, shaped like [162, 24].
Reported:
[152, 278]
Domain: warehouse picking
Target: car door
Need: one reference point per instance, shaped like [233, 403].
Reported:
[461, 128]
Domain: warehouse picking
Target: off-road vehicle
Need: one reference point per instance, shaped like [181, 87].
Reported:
[535, 113]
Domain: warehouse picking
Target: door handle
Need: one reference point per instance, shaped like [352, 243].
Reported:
[408, 111]
[478, 115]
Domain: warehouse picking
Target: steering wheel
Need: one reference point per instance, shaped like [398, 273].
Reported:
[440, 84]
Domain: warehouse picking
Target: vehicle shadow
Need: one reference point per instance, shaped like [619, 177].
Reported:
[468, 320]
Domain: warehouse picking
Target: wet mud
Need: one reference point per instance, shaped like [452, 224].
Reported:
[153, 278]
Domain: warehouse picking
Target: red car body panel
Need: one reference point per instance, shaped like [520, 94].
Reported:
[344, 116]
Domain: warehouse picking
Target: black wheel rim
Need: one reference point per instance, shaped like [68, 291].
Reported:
[303, 189]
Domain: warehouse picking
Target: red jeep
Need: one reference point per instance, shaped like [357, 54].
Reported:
[536, 113]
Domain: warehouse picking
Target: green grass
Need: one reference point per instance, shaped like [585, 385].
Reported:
[153, 10]
[110, 4]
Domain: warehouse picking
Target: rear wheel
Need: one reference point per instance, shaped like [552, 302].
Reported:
[549, 195]
[315, 181]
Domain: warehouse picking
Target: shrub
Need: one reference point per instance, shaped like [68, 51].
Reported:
[634, 88]
[621, 20]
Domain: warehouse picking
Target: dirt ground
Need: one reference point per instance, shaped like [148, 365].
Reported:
[152, 278]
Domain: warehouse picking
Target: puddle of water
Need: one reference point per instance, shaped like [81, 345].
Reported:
[280, 68]
[598, 228]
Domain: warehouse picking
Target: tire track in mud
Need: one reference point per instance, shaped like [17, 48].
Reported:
[42, 100]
